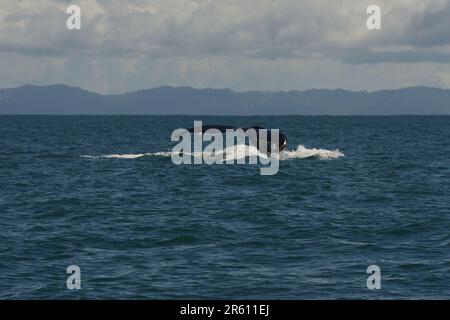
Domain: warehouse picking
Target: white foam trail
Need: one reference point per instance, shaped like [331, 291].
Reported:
[116, 156]
[301, 152]
[160, 154]
[240, 151]
[129, 156]
[123, 156]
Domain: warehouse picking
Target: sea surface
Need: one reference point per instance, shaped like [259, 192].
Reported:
[102, 193]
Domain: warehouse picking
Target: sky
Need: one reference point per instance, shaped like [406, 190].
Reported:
[243, 45]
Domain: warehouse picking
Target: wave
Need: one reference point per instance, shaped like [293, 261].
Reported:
[238, 152]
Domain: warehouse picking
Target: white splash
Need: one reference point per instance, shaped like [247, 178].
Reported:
[129, 155]
[239, 152]
[301, 152]
[236, 152]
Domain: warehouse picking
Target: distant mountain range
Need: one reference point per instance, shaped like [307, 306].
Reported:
[61, 99]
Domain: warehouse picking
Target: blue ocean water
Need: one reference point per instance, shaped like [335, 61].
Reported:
[140, 227]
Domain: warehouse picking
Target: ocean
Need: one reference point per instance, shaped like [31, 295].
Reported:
[101, 193]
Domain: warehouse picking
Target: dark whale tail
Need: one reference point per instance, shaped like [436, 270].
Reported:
[282, 143]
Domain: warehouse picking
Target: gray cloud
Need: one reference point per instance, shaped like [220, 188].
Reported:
[241, 44]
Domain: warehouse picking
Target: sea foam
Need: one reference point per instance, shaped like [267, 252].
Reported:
[238, 152]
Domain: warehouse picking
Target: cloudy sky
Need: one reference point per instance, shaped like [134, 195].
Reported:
[239, 44]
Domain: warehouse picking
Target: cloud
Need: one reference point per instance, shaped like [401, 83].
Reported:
[224, 43]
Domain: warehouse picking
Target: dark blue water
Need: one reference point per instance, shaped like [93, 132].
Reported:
[145, 228]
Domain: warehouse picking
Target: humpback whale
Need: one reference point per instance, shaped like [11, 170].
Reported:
[282, 143]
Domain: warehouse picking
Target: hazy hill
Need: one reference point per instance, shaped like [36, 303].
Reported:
[61, 99]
